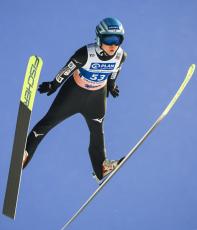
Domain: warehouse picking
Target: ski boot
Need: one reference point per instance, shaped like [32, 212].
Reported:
[25, 159]
[107, 167]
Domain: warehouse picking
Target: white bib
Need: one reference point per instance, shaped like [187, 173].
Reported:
[93, 75]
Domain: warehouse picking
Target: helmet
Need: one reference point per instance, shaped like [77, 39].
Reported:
[109, 28]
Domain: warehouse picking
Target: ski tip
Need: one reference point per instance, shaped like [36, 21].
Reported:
[192, 68]
[36, 56]
[190, 71]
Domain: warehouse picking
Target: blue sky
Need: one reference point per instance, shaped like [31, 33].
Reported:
[156, 189]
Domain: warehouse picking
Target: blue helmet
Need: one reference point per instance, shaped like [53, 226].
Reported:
[109, 27]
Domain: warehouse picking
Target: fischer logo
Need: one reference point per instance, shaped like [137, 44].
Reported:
[102, 66]
[31, 79]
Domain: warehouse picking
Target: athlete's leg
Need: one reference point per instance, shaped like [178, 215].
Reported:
[97, 149]
[94, 114]
[64, 105]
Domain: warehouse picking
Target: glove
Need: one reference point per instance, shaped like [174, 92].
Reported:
[113, 89]
[47, 87]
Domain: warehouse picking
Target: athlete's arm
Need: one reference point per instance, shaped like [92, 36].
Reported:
[111, 82]
[76, 61]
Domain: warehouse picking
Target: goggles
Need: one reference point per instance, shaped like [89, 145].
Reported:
[111, 40]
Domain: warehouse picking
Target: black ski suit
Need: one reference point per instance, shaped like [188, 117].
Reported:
[72, 99]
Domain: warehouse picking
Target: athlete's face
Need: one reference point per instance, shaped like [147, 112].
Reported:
[109, 49]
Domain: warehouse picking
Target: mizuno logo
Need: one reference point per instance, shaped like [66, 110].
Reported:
[100, 120]
[37, 134]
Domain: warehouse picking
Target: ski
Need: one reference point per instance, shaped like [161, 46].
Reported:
[23, 119]
[139, 143]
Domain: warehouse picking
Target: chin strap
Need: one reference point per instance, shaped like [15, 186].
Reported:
[101, 52]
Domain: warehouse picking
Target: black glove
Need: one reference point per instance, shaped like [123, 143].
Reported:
[113, 89]
[48, 87]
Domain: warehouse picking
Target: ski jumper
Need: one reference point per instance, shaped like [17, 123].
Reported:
[84, 81]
